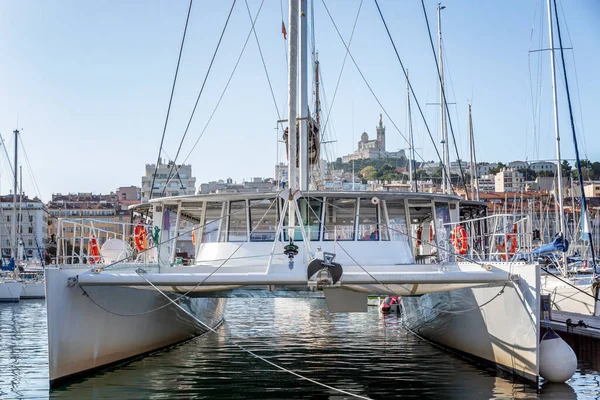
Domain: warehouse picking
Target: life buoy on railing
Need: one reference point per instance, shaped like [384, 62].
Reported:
[194, 237]
[511, 240]
[140, 237]
[431, 234]
[419, 232]
[93, 250]
[459, 239]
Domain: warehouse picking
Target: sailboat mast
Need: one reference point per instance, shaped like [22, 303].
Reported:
[303, 164]
[411, 145]
[292, 95]
[474, 184]
[556, 131]
[444, 132]
[14, 219]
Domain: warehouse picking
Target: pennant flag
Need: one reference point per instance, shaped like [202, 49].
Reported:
[283, 30]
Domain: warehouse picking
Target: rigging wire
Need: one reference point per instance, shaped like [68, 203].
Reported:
[224, 91]
[462, 174]
[30, 170]
[576, 82]
[371, 89]
[446, 167]
[583, 197]
[263, 59]
[199, 95]
[337, 85]
[162, 140]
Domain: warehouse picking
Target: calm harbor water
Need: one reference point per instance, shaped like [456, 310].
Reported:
[367, 354]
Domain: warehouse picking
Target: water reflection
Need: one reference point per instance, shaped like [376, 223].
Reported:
[367, 354]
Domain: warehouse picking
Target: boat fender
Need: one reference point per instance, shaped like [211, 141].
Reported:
[558, 361]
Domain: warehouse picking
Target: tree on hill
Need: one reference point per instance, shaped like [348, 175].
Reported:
[368, 173]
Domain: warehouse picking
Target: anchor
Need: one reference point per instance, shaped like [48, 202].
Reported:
[333, 270]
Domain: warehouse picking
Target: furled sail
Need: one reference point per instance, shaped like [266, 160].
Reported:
[314, 142]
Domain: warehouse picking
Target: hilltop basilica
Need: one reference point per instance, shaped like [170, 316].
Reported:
[373, 148]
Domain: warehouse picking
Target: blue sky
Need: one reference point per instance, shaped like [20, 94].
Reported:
[89, 83]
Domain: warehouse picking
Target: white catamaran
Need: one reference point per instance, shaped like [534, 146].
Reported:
[105, 306]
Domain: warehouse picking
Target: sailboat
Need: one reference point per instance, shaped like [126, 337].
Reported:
[106, 308]
[568, 292]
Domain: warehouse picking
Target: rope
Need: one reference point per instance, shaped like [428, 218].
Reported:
[250, 351]
[470, 309]
[199, 95]
[171, 97]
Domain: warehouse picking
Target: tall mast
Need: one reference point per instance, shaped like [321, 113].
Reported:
[317, 95]
[303, 164]
[554, 99]
[474, 183]
[292, 95]
[20, 247]
[411, 142]
[444, 131]
[13, 249]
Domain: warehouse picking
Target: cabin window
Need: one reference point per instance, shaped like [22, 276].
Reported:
[238, 224]
[213, 221]
[339, 219]
[368, 220]
[396, 214]
[310, 212]
[263, 215]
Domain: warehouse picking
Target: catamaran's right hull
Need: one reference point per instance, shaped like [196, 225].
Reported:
[92, 327]
[500, 328]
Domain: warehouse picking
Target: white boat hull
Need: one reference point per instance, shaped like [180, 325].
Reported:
[33, 290]
[501, 329]
[113, 324]
[10, 291]
[576, 297]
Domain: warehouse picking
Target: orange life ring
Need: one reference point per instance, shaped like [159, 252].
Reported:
[419, 232]
[193, 237]
[430, 234]
[93, 250]
[459, 239]
[511, 238]
[140, 237]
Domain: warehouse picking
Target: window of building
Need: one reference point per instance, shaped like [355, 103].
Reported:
[31, 229]
[339, 219]
[8, 218]
[31, 218]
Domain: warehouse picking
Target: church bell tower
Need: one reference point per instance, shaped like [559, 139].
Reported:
[381, 134]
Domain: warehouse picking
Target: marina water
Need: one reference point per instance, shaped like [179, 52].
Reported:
[365, 353]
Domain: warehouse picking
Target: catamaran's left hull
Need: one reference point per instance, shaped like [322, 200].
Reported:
[92, 327]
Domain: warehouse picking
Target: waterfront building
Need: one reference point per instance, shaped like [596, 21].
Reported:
[509, 180]
[171, 180]
[32, 226]
[487, 183]
[541, 166]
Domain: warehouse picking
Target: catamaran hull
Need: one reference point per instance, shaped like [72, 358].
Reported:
[10, 291]
[93, 327]
[494, 322]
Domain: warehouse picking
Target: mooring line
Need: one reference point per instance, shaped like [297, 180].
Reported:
[251, 352]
